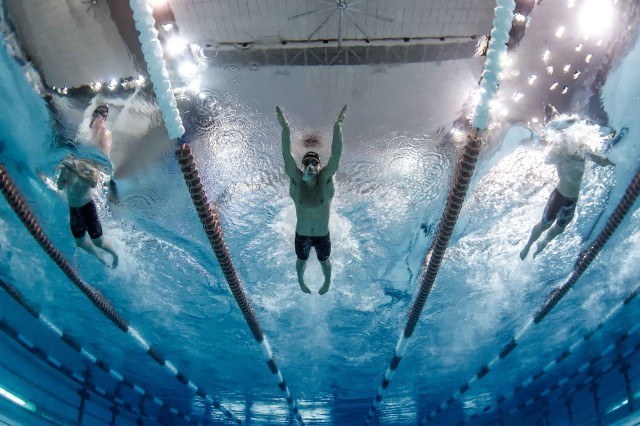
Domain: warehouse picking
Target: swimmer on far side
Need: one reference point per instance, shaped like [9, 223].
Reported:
[101, 139]
[78, 178]
[312, 191]
[570, 165]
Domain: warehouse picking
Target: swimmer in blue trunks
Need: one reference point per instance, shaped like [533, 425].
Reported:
[78, 178]
[312, 191]
[562, 201]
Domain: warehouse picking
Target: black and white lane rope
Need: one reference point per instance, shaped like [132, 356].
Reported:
[19, 206]
[589, 366]
[73, 344]
[75, 376]
[573, 349]
[210, 219]
[584, 260]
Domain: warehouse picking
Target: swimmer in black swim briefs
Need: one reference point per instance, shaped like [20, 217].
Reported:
[559, 208]
[570, 167]
[321, 244]
[83, 219]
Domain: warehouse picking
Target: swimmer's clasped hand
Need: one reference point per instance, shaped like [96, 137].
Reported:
[281, 118]
[340, 118]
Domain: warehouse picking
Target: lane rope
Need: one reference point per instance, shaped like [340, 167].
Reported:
[20, 207]
[503, 17]
[210, 219]
[584, 260]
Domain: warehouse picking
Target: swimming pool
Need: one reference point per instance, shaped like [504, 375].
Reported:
[332, 350]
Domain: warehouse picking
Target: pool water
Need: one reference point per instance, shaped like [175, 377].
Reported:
[332, 349]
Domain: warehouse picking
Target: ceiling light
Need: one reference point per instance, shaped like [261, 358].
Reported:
[517, 96]
[545, 55]
[596, 17]
[578, 48]
[532, 79]
[560, 32]
[566, 68]
[588, 58]
[113, 84]
[565, 90]
[168, 26]
[549, 70]
[553, 86]
[576, 75]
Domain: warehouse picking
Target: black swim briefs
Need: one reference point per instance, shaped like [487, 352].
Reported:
[322, 244]
[559, 208]
[83, 219]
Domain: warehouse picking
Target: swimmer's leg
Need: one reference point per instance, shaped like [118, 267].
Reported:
[100, 242]
[301, 265]
[535, 234]
[553, 232]
[326, 270]
[89, 248]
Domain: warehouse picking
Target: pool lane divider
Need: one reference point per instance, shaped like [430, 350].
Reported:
[584, 260]
[19, 206]
[156, 66]
[57, 365]
[73, 344]
[502, 21]
[210, 218]
[589, 381]
[573, 349]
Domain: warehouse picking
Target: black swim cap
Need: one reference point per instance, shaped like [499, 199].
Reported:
[102, 110]
[311, 154]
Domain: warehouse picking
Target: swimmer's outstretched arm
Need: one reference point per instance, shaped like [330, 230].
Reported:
[336, 146]
[290, 167]
[600, 160]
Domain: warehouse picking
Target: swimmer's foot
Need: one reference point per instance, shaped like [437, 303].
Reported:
[115, 262]
[304, 287]
[525, 252]
[541, 246]
[325, 287]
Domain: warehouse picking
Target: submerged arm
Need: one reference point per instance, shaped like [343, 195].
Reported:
[289, 162]
[600, 160]
[336, 146]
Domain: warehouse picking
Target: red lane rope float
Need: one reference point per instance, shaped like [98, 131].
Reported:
[463, 173]
[16, 201]
[210, 219]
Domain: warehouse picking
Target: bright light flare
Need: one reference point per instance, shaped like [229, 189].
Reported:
[532, 79]
[175, 46]
[546, 55]
[187, 69]
[596, 17]
[560, 32]
[566, 68]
